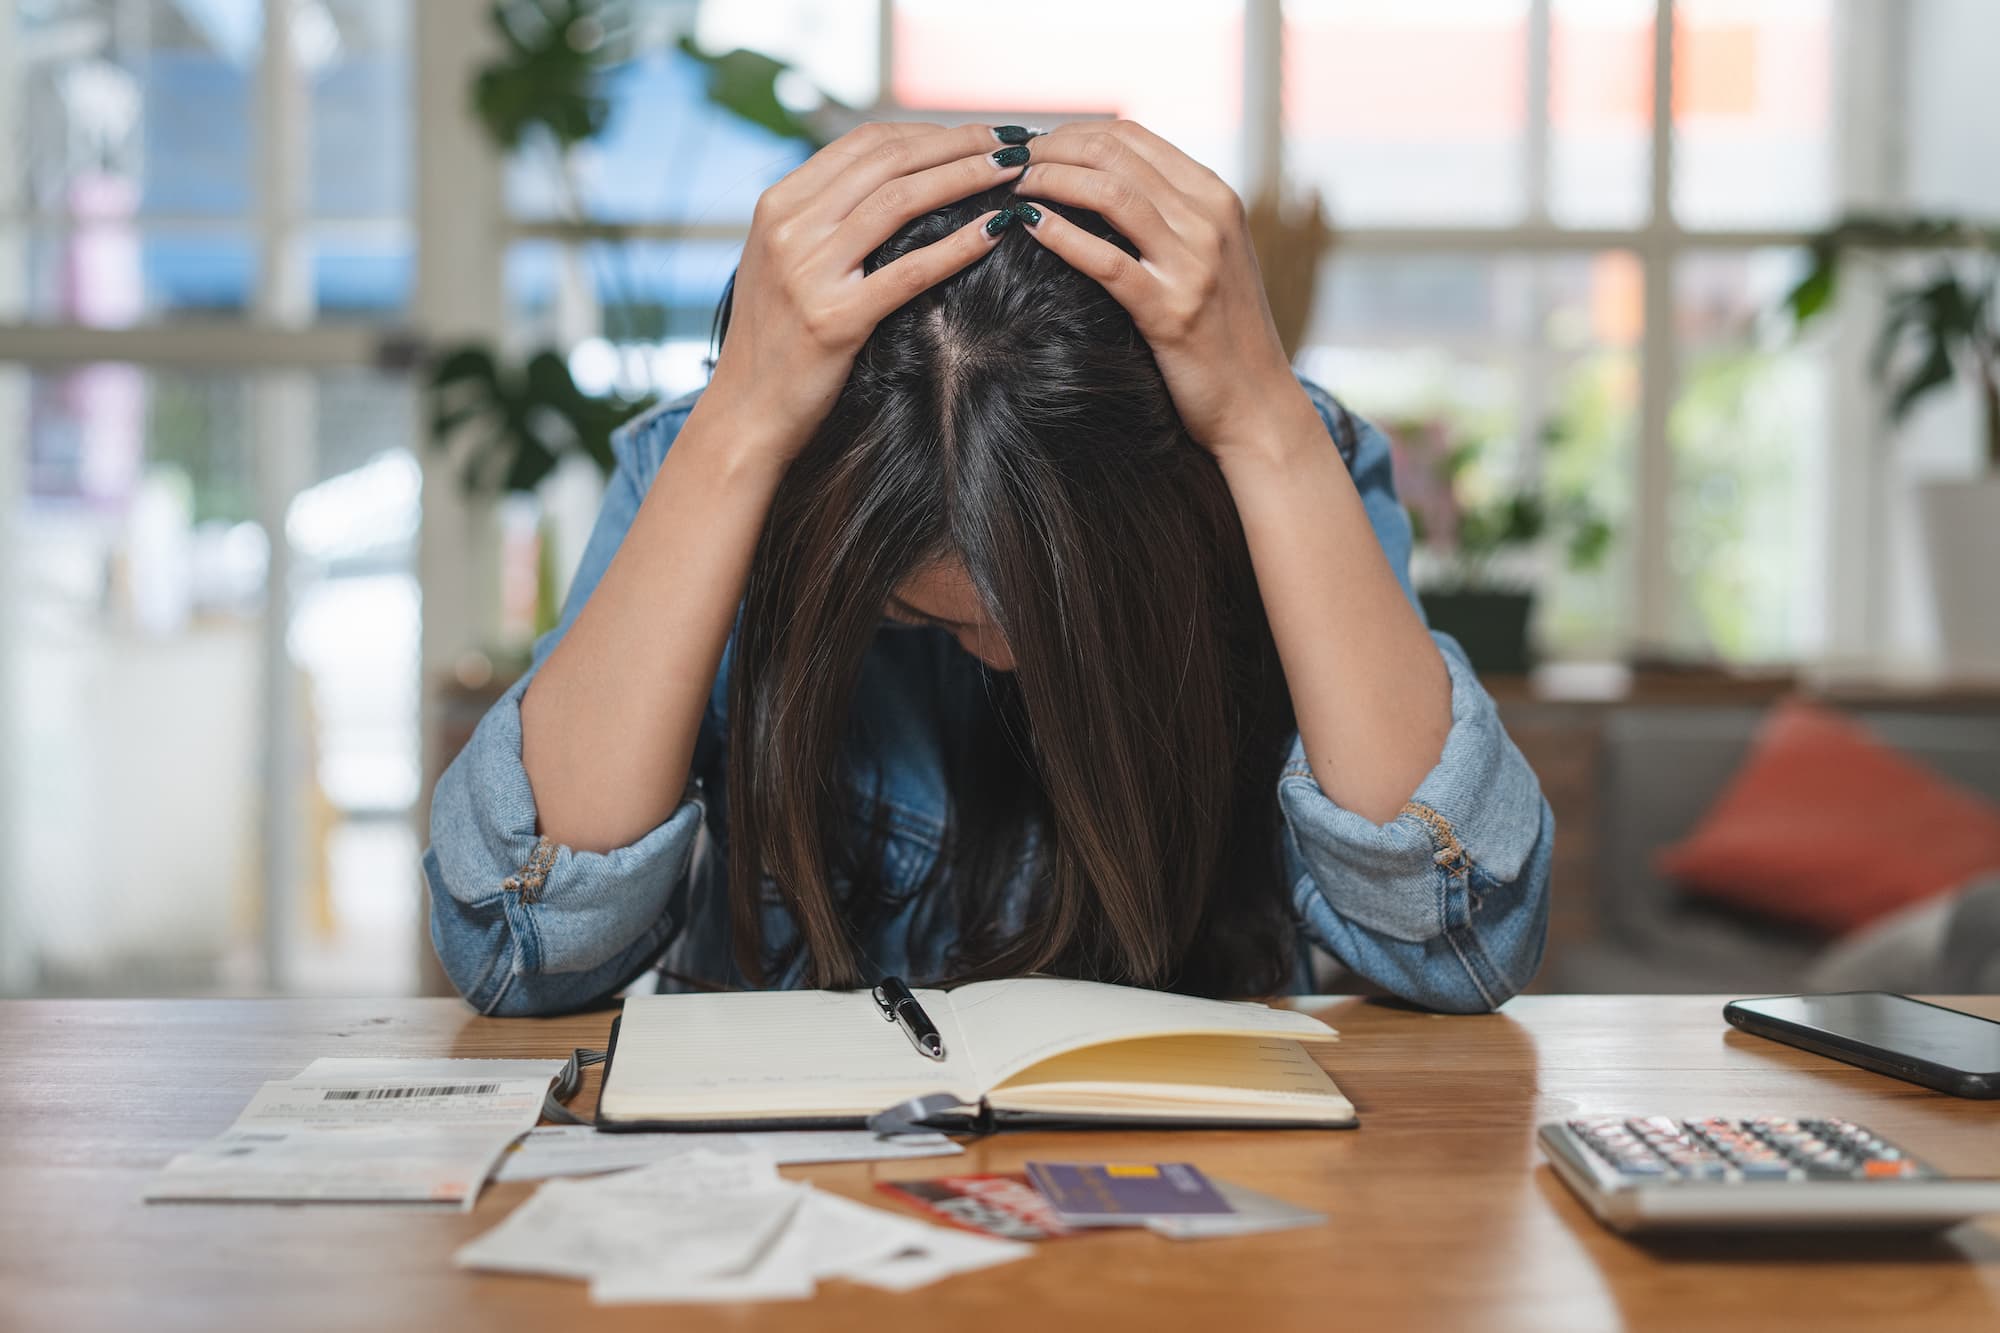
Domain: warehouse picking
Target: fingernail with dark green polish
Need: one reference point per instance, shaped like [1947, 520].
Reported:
[1016, 156]
[999, 222]
[1015, 133]
[1028, 213]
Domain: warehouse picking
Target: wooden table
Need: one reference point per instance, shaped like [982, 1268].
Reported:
[1443, 1214]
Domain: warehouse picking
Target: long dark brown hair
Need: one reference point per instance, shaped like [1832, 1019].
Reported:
[1012, 419]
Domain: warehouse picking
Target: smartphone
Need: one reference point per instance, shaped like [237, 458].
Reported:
[1895, 1035]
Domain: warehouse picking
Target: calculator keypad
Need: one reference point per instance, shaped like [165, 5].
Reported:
[1760, 1148]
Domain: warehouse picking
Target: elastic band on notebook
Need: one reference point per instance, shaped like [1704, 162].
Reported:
[567, 1085]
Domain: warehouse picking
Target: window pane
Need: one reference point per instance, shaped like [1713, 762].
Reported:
[1411, 112]
[135, 630]
[1953, 125]
[185, 272]
[831, 43]
[667, 155]
[355, 55]
[1589, 316]
[1600, 112]
[362, 271]
[354, 638]
[137, 108]
[1425, 338]
[1176, 68]
[115, 275]
[1748, 433]
[135, 648]
[1753, 112]
[635, 318]
[1532, 363]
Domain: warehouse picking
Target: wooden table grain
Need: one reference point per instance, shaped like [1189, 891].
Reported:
[1443, 1214]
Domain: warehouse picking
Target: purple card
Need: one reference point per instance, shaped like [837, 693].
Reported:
[1092, 1194]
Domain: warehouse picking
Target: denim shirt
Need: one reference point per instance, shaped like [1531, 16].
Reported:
[1445, 905]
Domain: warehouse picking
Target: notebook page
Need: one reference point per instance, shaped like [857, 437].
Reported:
[1264, 1073]
[771, 1052]
[1015, 1023]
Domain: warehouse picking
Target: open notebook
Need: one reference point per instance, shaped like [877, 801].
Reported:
[1034, 1049]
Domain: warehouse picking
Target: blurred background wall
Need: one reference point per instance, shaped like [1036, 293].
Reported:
[1560, 248]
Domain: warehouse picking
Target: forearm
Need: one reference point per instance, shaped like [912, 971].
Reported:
[609, 723]
[1369, 689]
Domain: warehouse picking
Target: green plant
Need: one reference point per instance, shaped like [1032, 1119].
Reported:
[545, 89]
[531, 416]
[1472, 524]
[547, 77]
[1943, 325]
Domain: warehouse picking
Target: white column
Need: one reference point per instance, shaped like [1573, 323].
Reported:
[1536, 364]
[885, 52]
[13, 465]
[1652, 558]
[1871, 99]
[460, 250]
[13, 239]
[15, 959]
[1263, 96]
[282, 438]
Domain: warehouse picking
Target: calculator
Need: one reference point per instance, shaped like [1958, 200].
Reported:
[1761, 1173]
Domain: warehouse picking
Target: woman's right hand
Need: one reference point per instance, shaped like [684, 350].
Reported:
[802, 306]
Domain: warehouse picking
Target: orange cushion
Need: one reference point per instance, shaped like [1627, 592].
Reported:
[1825, 826]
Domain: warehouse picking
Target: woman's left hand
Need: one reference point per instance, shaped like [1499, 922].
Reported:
[1194, 291]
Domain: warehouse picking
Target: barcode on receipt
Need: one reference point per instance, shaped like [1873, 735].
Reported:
[434, 1090]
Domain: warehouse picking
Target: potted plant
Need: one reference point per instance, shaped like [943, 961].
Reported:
[1936, 328]
[1480, 542]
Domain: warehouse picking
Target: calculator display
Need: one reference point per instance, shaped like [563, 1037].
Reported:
[1894, 1024]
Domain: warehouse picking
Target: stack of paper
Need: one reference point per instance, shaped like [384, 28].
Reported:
[422, 1132]
[708, 1226]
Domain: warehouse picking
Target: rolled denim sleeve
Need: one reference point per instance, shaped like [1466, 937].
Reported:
[1447, 903]
[521, 924]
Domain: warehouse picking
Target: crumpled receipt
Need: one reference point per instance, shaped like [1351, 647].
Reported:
[710, 1226]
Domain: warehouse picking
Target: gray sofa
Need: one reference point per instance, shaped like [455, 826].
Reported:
[1660, 769]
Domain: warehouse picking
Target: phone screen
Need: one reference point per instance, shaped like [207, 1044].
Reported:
[1894, 1023]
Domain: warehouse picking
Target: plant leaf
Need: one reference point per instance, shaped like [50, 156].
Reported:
[1522, 520]
[1814, 292]
[745, 84]
[1933, 371]
[473, 362]
[532, 461]
[1589, 542]
[548, 76]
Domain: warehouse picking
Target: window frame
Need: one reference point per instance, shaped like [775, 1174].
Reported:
[280, 349]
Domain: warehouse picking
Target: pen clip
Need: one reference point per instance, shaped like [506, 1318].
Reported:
[883, 1003]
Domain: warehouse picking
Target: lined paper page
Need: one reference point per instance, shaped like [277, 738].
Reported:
[776, 1053]
[1014, 1024]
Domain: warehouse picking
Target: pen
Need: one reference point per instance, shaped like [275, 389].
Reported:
[893, 998]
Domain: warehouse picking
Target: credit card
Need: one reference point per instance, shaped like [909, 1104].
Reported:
[995, 1205]
[1098, 1194]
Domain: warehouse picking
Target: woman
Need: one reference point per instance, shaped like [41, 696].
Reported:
[1003, 604]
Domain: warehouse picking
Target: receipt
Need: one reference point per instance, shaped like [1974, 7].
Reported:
[578, 1230]
[719, 1226]
[419, 1135]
